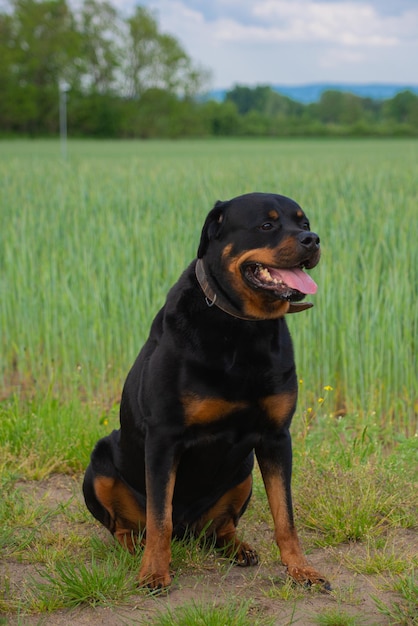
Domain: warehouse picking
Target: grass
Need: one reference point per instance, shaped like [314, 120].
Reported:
[106, 582]
[67, 582]
[43, 434]
[356, 486]
[90, 247]
[88, 250]
[404, 611]
[337, 617]
[380, 557]
[69, 568]
[193, 614]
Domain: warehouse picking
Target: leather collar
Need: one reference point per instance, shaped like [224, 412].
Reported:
[213, 298]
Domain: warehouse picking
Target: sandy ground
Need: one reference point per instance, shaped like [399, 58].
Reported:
[352, 594]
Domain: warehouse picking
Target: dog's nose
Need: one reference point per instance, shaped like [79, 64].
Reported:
[309, 240]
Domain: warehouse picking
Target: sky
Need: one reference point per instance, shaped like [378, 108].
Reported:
[294, 42]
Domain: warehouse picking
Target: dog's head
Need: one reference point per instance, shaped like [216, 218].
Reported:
[254, 250]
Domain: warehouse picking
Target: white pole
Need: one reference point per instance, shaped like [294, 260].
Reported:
[63, 88]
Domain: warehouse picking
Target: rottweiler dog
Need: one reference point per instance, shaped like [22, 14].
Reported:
[214, 385]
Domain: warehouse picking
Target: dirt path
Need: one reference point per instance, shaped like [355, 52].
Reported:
[352, 594]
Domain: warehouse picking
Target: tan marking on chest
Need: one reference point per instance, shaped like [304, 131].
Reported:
[198, 410]
[279, 407]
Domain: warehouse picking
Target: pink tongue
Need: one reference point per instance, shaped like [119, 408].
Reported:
[296, 279]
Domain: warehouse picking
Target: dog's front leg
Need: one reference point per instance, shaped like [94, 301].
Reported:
[275, 460]
[160, 479]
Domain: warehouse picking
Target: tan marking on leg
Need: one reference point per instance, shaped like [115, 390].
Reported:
[279, 407]
[154, 572]
[127, 538]
[103, 487]
[221, 521]
[127, 516]
[286, 536]
[285, 532]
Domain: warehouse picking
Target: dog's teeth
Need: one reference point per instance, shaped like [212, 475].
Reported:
[265, 274]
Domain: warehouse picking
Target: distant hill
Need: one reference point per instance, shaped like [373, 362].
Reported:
[312, 92]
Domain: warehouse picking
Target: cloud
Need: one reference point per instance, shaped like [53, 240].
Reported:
[334, 57]
[343, 23]
[294, 41]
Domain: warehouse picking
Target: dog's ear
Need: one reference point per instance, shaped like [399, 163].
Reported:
[211, 227]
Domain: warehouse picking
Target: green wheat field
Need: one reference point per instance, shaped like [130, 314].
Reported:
[90, 245]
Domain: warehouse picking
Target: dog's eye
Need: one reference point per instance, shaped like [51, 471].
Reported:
[306, 226]
[267, 226]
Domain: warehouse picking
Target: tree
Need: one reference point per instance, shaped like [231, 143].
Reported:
[100, 32]
[39, 43]
[248, 99]
[337, 107]
[352, 109]
[126, 78]
[104, 59]
[403, 108]
[330, 106]
[222, 118]
[263, 99]
[157, 60]
[8, 85]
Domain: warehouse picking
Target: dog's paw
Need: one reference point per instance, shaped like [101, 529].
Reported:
[245, 555]
[156, 581]
[308, 577]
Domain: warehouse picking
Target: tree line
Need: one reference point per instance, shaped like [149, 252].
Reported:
[123, 77]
